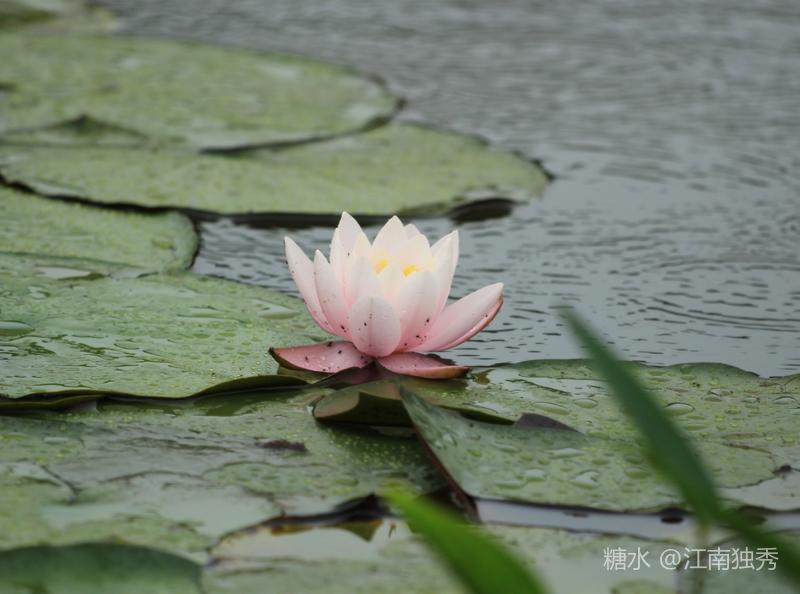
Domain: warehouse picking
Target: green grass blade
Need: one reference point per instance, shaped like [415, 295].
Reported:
[482, 564]
[670, 451]
[674, 455]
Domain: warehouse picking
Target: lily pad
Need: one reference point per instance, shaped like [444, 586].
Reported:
[31, 225]
[83, 568]
[66, 329]
[709, 401]
[177, 476]
[384, 556]
[560, 467]
[207, 96]
[393, 169]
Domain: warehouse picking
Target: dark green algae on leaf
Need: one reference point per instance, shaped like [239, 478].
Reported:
[67, 328]
[33, 225]
[398, 168]
[179, 475]
[206, 96]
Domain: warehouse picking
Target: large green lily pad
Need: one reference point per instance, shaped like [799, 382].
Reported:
[543, 465]
[394, 169]
[177, 476]
[207, 96]
[65, 331]
[709, 401]
[32, 225]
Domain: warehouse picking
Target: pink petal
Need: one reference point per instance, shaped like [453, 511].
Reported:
[302, 271]
[391, 236]
[421, 366]
[485, 321]
[374, 327]
[416, 303]
[329, 293]
[460, 318]
[327, 357]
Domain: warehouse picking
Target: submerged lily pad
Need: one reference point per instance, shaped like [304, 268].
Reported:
[66, 329]
[210, 97]
[394, 169]
[32, 225]
[560, 467]
[384, 556]
[96, 568]
[177, 476]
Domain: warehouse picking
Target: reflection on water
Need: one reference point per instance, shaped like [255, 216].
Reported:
[354, 540]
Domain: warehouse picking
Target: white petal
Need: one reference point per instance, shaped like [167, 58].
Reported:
[415, 251]
[302, 271]
[445, 268]
[460, 317]
[391, 236]
[329, 293]
[391, 279]
[338, 256]
[348, 230]
[416, 303]
[361, 247]
[361, 281]
[411, 230]
[374, 327]
[439, 247]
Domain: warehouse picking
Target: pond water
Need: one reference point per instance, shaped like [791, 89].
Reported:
[672, 129]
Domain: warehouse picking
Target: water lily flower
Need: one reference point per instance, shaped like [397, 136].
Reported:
[386, 301]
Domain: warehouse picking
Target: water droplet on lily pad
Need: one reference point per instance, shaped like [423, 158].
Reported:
[12, 328]
[677, 409]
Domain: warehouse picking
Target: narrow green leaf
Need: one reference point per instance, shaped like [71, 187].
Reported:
[482, 564]
[674, 455]
[670, 451]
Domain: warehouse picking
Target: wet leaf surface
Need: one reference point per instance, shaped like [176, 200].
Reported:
[397, 168]
[178, 476]
[218, 97]
[335, 559]
[709, 401]
[602, 465]
[32, 225]
[736, 581]
[84, 568]
[68, 329]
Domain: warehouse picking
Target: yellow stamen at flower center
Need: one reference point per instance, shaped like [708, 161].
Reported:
[381, 264]
[409, 269]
